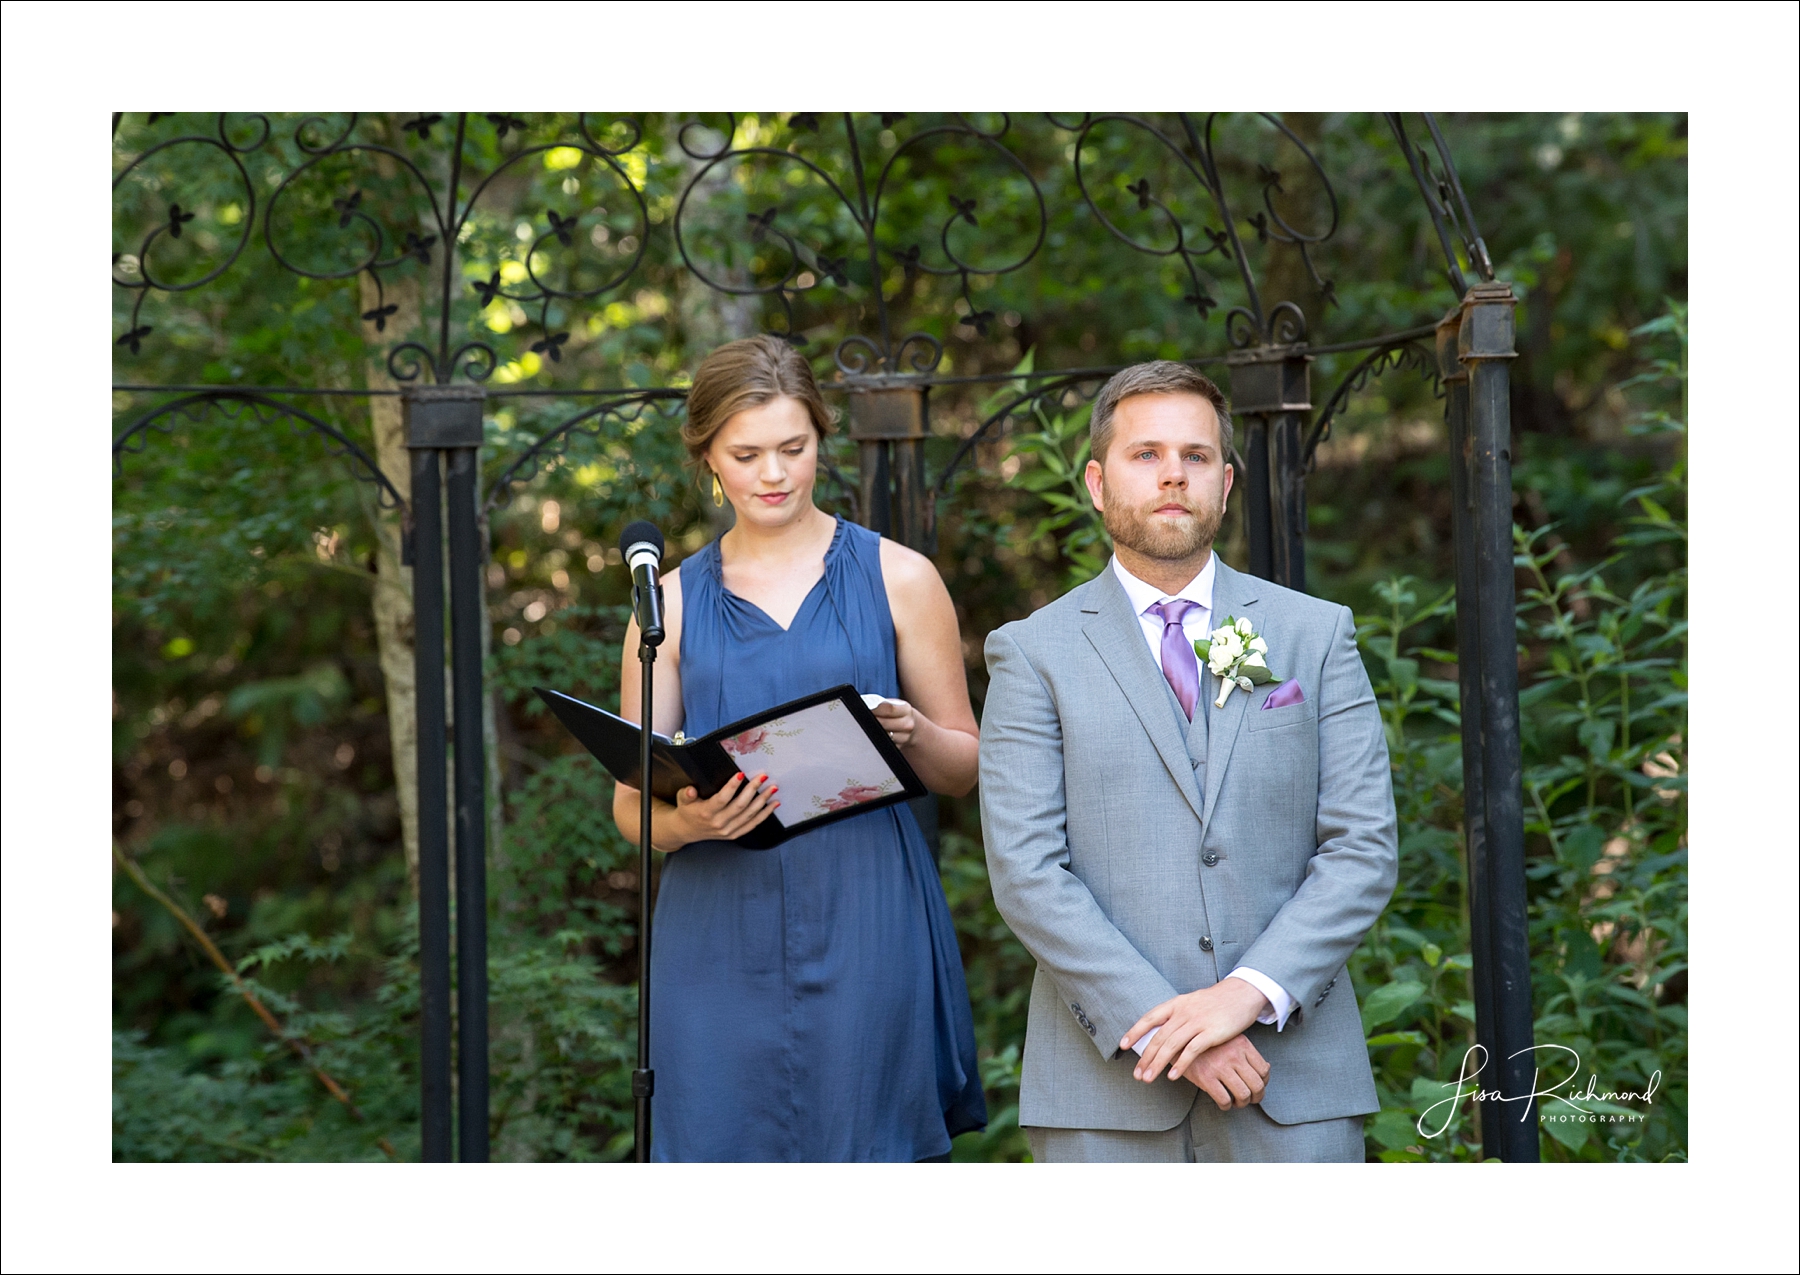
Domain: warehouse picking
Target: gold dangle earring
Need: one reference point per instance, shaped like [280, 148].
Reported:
[718, 492]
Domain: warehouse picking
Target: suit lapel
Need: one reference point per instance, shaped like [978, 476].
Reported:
[1234, 594]
[1118, 638]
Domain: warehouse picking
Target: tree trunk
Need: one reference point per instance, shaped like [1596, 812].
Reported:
[393, 600]
[710, 318]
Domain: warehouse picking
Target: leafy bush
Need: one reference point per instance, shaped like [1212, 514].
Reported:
[1604, 727]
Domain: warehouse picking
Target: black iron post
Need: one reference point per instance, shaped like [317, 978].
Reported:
[1468, 646]
[434, 823]
[889, 424]
[1485, 345]
[915, 520]
[468, 560]
[1271, 390]
[443, 424]
[1258, 523]
[1287, 491]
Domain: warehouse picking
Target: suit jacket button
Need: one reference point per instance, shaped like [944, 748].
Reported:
[1210, 859]
[1205, 943]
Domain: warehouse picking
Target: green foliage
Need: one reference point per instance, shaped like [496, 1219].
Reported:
[563, 1042]
[262, 1103]
[274, 706]
[163, 1111]
[1604, 725]
[1052, 459]
[999, 972]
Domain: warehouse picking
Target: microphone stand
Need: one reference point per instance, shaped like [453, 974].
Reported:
[643, 1080]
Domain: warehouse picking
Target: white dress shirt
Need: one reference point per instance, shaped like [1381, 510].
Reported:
[1195, 625]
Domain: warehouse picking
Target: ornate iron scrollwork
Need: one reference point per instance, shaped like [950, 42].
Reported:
[809, 265]
[1084, 384]
[1250, 324]
[621, 410]
[136, 272]
[1447, 204]
[624, 409]
[358, 204]
[254, 408]
[1382, 359]
[357, 233]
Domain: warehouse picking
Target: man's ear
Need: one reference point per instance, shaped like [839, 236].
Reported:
[1226, 494]
[1092, 476]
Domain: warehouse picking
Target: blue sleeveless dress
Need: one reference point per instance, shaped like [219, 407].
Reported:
[807, 1002]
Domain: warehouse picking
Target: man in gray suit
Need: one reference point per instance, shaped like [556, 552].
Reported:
[1191, 876]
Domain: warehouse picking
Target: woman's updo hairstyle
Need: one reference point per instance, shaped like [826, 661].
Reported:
[745, 374]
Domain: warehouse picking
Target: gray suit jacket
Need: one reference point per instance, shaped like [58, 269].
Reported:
[1137, 860]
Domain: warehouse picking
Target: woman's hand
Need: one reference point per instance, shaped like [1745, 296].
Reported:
[726, 815]
[898, 720]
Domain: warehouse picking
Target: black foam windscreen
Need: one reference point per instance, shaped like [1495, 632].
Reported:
[641, 533]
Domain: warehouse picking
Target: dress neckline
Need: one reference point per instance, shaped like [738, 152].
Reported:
[718, 571]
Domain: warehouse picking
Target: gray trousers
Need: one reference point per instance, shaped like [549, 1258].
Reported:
[1243, 1135]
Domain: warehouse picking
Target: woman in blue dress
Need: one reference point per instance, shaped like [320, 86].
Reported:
[808, 1001]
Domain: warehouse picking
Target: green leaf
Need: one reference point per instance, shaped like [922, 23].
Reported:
[1597, 735]
[1396, 1038]
[1388, 1002]
[1432, 954]
[1581, 848]
[1401, 1156]
[1572, 1133]
[1393, 1129]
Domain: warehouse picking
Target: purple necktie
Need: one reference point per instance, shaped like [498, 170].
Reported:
[1179, 664]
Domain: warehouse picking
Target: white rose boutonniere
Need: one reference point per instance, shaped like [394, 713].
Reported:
[1236, 656]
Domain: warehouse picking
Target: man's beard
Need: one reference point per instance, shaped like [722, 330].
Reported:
[1163, 539]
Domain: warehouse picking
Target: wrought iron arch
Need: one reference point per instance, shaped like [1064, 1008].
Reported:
[235, 405]
[886, 371]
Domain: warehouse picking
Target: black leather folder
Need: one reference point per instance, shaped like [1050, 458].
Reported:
[827, 753]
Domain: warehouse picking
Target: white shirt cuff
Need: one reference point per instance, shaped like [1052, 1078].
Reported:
[1280, 1003]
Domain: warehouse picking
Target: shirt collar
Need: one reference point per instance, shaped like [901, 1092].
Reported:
[1144, 596]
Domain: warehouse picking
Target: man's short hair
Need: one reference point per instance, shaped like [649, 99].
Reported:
[1160, 377]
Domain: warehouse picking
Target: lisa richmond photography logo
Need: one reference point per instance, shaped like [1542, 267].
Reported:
[1565, 1099]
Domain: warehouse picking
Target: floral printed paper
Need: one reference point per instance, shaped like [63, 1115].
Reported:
[820, 758]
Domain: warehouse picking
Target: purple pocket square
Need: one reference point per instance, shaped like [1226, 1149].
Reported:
[1288, 692]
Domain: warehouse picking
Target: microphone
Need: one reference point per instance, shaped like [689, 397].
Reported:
[641, 545]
